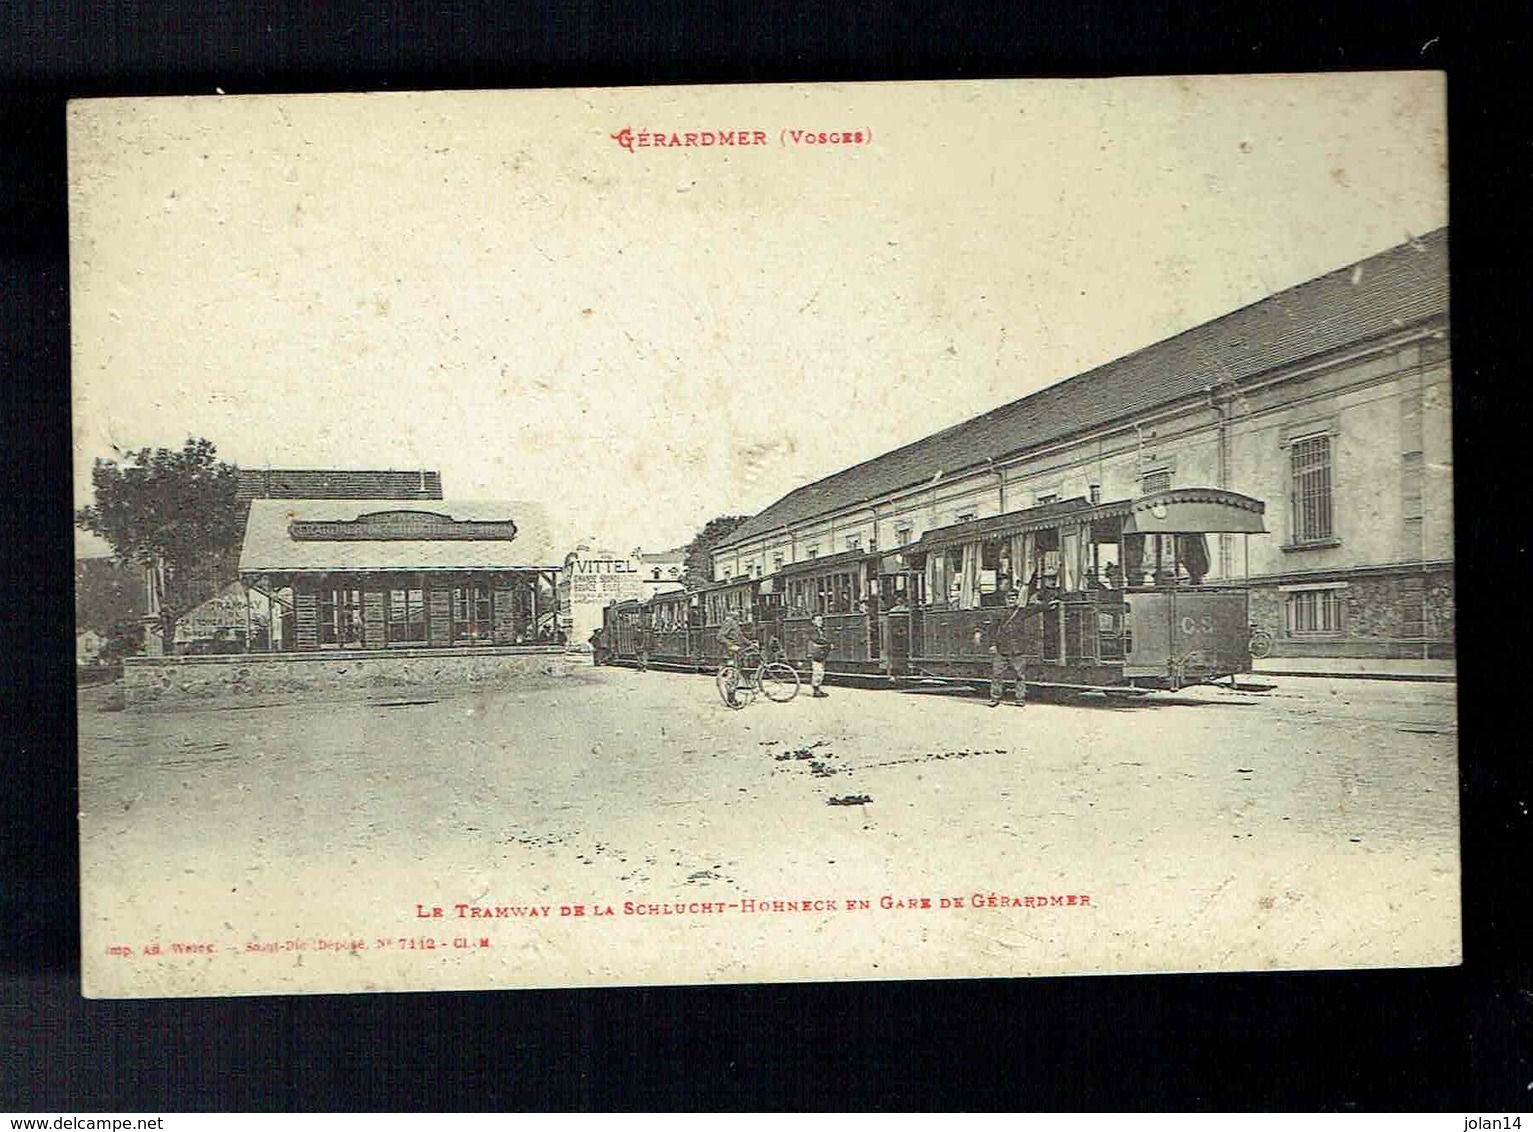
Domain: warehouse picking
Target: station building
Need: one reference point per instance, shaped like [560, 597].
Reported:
[1329, 401]
[225, 617]
[364, 575]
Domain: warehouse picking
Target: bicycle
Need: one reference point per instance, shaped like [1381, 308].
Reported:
[739, 680]
[1261, 643]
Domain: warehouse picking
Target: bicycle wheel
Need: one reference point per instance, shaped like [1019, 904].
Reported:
[735, 692]
[1261, 644]
[779, 682]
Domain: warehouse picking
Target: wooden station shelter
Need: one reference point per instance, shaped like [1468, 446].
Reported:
[375, 574]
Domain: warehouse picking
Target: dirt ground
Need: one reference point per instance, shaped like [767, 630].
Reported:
[308, 845]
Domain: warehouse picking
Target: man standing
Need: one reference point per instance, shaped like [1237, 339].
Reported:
[819, 649]
[646, 636]
[1007, 648]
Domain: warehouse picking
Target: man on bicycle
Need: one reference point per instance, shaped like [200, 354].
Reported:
[735, 638]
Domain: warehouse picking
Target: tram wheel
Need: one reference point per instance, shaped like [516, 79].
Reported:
[779, 682]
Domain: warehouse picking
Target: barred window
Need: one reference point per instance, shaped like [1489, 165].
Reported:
[1311, 458]
[1158, 480]
[902, 534]
[1314, 611]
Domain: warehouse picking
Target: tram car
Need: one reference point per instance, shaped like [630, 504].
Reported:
[1122, 588]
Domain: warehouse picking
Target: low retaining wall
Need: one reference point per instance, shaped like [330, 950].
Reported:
[173, 679]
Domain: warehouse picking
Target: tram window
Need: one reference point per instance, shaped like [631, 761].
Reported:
[846, 600]
[1107, 568]
[1192, 558]
[990, 560]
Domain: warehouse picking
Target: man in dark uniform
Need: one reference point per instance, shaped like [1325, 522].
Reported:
[1007, 647]
[598, 647]
[819, 649]
[646, 637]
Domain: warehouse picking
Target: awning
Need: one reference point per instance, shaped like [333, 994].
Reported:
[831, 562]
[1049, 515]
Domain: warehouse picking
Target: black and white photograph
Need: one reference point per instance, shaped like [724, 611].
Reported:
[749, 534]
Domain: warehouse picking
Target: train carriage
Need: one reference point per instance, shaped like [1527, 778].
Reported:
[843, 590]
[670, 623]
[736, 597]
[1122, 590]
[1123, 586]
[620, 628]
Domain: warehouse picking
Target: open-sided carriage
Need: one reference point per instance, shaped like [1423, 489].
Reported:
[1125, 589]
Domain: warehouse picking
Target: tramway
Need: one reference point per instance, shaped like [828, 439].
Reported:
[1131, 600]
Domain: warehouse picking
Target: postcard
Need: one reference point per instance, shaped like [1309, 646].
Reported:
[763, 533]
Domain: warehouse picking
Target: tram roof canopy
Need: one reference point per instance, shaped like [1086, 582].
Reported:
[832, 562]
[1188, 510]
[1194, 510]
[303, 536]
[1047, 516]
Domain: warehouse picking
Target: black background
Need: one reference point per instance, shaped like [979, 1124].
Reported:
[1458, 1039]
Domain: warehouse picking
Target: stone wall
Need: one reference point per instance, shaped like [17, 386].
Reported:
[171, 680]
[1397, 615]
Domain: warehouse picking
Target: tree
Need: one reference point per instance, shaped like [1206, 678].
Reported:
[174, 513]
[698, 566]
[107, 593]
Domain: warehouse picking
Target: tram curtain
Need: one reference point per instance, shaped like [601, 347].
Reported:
[939, 578]
[968, 582]
[1075, 543]
[1022, 564]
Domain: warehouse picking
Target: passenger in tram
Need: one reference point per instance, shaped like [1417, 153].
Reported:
[1111, 577]
[1192, 557]
[1133, 561]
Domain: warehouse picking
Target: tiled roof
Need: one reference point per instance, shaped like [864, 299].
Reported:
[328, 483]
[664, 557]
[270, 548]
[1400, 287]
